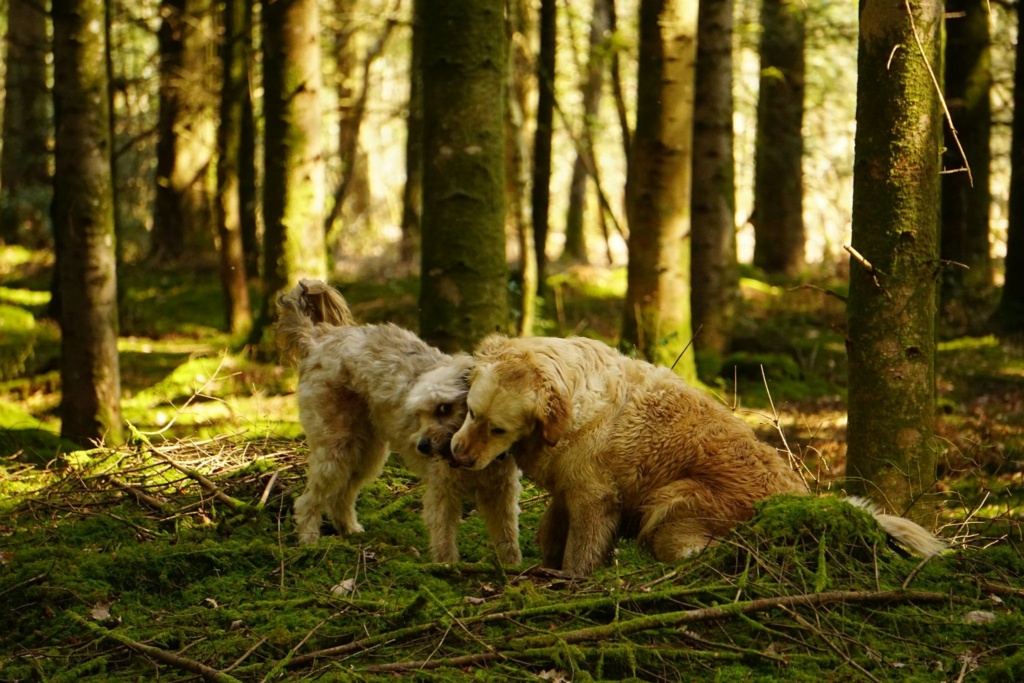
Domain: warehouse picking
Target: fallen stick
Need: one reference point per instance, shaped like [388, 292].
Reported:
[207, 672]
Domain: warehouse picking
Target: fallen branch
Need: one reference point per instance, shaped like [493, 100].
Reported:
[157, 504]
[207, 672]
[237, 505]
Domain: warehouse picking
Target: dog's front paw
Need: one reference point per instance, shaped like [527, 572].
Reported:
[353, 528]
[308, 536]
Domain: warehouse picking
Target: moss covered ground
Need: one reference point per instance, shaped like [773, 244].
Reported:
[173, 558]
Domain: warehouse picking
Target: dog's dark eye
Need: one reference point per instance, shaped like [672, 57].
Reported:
[444, 410]
[497, 431]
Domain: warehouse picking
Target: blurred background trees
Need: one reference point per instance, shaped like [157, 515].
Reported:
[253, 143]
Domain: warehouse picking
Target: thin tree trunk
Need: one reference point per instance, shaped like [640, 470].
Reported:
[183, 220]
[463, 294]
[575, 233]
[1009, 315]
[778, 178]
[234, 90]
[617, 90]
[247, 198]
[517, 168]
[84, 214]
[966, 198]
[657, 308]
[412, 191]
[293, 187]
[545, 115]
[25, 186]
[893, 290]
[714, 273]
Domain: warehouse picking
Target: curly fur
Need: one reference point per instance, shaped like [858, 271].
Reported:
[621, 445]
[366, 388]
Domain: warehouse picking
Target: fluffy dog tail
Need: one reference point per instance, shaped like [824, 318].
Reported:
[304, 312]
[910, 534]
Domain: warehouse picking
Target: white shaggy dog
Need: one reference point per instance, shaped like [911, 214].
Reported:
[365, 389]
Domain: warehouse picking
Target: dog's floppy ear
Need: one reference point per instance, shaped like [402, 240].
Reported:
[554, 414]
[463, 364]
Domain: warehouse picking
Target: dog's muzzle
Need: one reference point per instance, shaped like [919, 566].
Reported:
[425, 446]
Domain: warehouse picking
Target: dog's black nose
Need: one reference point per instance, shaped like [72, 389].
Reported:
[424, 446]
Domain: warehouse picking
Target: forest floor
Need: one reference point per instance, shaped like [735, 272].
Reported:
[173, 557]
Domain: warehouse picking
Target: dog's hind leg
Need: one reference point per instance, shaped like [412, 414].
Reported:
[363, 463]
[497, 499]
[681, 519]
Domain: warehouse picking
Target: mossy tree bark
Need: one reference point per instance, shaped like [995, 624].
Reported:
[545, 116]
[463, 294]
[294, 244]
[25, 185]
[230, 209]
[965, 206]
[656, 319]
[1009, 315]
[597, 64]
[779, 147]
[83, 212]
[183, 224]
[714, 272]
[892, 305]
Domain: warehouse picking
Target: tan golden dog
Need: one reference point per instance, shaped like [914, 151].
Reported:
[367, 389]
[621, 445]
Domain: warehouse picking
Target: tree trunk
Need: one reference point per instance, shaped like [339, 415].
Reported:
[412, 191]
[183, 219]
[517, 168]
[657, 308]
[247, 152]
[965, 208]
[714, 273]
[83, 212]
[25, 186]
[463, 294]
[575, 233]
[234, 90]
[545, 114]
[778, 179]
[1009, 315]
[293, 185]
[892, 305]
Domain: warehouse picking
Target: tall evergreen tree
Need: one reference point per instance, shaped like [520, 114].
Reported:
[1009, 315]
[966, 199]
[25, 186]
[657, 306]
[778, 178]
[463, 294]
[83, 213]
[545, 117]
[183, 219]
[293, 185]
[893, 291]
[230, 210]
[714, 273]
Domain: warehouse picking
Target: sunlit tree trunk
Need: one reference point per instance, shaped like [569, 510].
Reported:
[597, 64]
[183, 218]
[1009, 315]
[83, 212]
[463, 293]
[25, 186]
[247, 198]
[657, 307]
[965, 207]
[234, 90]
[892, 306]
[293, 187]
[778, 179]
[517, 166]
[545, 115]
[714, 273]
[412, 191]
